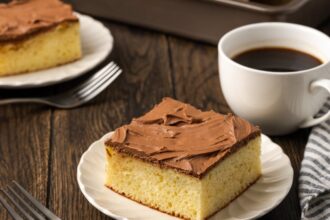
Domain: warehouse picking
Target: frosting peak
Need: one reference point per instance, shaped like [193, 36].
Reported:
[177, 135]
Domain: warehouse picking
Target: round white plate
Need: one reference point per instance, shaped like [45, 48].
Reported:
[260, 198]
[96, 42]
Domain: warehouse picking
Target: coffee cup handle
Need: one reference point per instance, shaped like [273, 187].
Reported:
[321, 83]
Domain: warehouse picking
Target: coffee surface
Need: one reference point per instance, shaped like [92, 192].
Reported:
[277, 59]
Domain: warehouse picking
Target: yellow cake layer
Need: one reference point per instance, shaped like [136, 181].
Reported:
[43, 50]
[180, 194]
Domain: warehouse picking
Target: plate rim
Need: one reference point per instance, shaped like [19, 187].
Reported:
[38, 84]
[107, 212]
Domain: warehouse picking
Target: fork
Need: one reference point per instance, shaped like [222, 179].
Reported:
[22, 201]
[78, 95]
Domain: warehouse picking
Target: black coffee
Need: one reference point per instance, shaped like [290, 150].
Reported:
[277, 59]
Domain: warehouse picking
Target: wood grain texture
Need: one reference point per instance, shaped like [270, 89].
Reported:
[144, 82]
[40, 147]
[195, 74]
[24, 149]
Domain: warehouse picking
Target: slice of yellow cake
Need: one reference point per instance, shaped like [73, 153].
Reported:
[37, 34]
[182, 161]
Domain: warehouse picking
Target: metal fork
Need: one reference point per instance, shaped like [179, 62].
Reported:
[78, 95]
[22, 200]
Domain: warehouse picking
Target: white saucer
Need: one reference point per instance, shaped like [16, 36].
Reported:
[264, 195]
[97, 43]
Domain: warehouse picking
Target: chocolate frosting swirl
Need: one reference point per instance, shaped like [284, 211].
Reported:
[179, 136]
[20, 18]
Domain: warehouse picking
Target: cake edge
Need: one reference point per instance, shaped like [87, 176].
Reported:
[243, 191]
[117, 147]
[182, 217]
[149, 206]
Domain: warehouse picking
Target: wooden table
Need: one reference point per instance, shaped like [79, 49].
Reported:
[40, 146]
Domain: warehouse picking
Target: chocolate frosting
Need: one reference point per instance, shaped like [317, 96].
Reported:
[177, 135]
[24, 17]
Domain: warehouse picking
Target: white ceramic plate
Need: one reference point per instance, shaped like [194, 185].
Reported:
[96, 42]
[264, 195]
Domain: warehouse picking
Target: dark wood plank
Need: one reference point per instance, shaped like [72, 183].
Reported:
[293, 145]
[195, 74]
[145, 80]
[325, 27]
[24, 148]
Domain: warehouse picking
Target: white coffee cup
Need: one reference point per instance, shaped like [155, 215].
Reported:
[279, 102]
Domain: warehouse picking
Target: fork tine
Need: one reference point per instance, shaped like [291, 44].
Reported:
[37, 204]
[96, 76]
[17, 205]
[10, 210]
[95, 80]
[27, 206]
[90, 88]
[101, 83]
[103, 86]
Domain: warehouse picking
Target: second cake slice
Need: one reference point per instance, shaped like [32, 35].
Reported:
[36, 35]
